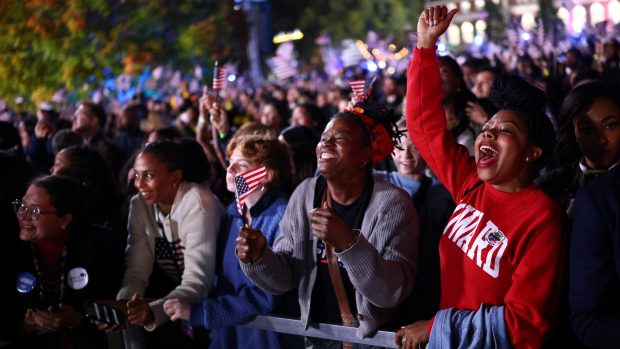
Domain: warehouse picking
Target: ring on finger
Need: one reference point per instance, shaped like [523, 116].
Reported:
[403, 340]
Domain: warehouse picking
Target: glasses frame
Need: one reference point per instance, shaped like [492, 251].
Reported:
[32, 211]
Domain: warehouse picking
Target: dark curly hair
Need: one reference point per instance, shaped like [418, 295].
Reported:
[511, 92]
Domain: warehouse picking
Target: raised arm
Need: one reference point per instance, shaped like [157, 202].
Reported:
[426, 118]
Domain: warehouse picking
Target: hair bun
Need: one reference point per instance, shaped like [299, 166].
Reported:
[514, 93]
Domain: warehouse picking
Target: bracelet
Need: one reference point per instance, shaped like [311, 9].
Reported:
[348, 246]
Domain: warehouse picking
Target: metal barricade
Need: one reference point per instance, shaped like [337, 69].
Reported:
[320, 330]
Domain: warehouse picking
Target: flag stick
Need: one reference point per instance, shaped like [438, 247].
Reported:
[244, 219]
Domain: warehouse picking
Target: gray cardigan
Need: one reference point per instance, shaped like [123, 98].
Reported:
[381, 265]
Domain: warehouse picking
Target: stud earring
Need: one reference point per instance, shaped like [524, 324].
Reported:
[527, 159]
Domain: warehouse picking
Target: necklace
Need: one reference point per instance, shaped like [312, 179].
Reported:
[42, 282]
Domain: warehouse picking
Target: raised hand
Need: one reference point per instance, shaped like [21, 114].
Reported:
[43, 129]
[476, 113]
[433, 22]
[204, 104]
[250, 245]
[219, 118]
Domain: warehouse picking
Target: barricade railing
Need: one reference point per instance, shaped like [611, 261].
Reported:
[320, 330]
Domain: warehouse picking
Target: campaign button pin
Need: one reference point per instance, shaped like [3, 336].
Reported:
[26, 282]
[77, 278]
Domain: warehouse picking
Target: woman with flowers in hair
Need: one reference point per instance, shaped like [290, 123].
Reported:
[342, 228]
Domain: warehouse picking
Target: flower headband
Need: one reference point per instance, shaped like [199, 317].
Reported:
[380, 140]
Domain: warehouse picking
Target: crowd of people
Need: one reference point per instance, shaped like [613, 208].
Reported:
[462, 205]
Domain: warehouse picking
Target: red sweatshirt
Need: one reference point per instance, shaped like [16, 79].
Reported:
[498, 248]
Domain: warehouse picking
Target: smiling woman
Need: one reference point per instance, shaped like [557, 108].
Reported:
[342, 228]
[173, 223]
[69, 263]
[588, 142]
[503, 246]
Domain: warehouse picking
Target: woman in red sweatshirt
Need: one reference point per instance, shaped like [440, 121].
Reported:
[502, 251]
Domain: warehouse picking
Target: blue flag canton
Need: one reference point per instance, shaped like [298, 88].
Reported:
[242, 186]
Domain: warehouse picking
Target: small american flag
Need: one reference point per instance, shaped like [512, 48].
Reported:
[361, 88]
[246, 183]
[219, 76]
[283, 68]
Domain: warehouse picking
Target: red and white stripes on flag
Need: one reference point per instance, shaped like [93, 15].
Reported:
[358, 87]
[361, 88]
[246, 183]
[219, 76]
[283, 68]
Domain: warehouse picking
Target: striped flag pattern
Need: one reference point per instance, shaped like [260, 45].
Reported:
[246, 183]
[283, 68]
[219, 76]
[358, 87]
[170, 257]
[361, 88]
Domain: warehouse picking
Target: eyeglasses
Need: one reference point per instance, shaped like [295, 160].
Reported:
[32, 211]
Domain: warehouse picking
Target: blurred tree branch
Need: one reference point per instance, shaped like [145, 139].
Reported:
[50, 44]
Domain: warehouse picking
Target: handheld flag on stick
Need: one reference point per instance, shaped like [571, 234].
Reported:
[245, 184]
[219, 74]
[361, 89]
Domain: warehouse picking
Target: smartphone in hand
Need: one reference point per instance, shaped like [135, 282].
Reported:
[103, 313]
